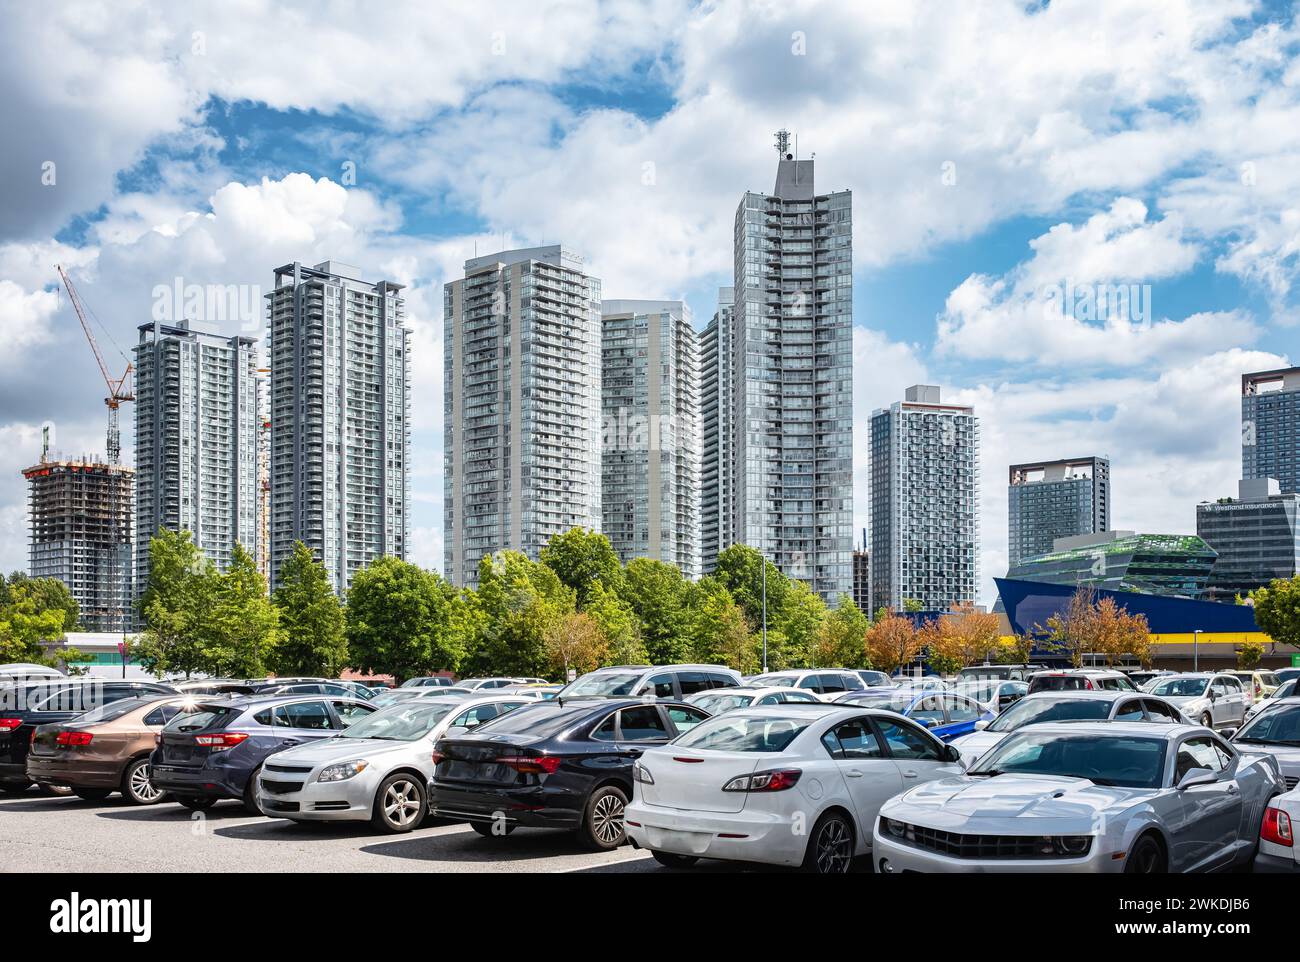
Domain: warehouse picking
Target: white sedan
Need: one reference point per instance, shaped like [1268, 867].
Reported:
[788, 785]
[717, 700]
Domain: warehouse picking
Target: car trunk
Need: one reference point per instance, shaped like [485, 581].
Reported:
[179, 745]
[689, 779]
[477, 761]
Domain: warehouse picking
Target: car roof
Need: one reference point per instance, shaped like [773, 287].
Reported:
[1089, 694]
[1160, 729]
[262, 701]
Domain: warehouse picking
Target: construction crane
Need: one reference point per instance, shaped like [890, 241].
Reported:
[119, 389]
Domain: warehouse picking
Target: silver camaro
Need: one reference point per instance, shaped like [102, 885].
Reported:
[1086, 797]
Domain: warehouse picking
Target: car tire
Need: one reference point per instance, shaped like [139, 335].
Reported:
[830, 846]
[250, 793]
[55, 791]
[92, 794]
[136, 787]
[1207, 721]
[1146, 858]
[393, 805]
[602, 820]
[197, 803]
[487, 829]
[674, 861]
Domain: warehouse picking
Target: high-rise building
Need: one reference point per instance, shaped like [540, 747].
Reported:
[80, 515]
[1174, 565]
[340, 418]
[1270, 427]
[196, 426]
[521, 405]
[1047, 500]
[650, 461]
[862, 576]
[792, 377]
[716, 463]
[924, 503]
[1256, 535]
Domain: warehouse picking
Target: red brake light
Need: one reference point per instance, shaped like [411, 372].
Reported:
[1277, 827]
[531, 764]
[9, 724]
[221, 742]
[776, 781]
[438, 756]
[75, 739]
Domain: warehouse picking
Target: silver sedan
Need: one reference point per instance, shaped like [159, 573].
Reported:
[1086, 797]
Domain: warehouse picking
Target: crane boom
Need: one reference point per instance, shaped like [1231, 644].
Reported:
[119, 389]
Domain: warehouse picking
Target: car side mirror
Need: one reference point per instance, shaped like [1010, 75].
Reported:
[952, 754]
[929, 722]
[1228, 732]
[982, 724]
[1214, 696]
[1197, 776]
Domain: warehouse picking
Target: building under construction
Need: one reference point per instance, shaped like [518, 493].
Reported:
[81, 530]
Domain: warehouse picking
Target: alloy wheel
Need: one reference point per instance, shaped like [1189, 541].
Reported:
[834, 848]
[402, 803]
[142, 789]
[607, 819]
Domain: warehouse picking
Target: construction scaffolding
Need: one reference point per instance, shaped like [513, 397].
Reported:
[81, 533]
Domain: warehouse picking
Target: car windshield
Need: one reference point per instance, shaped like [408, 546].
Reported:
[1280, 725]
[207, 716]
[605, 683]
[1032, 710]
[1119, 760]
[1180, 687]
[743, 734]
[774, 681]
[541, 720]
[717, 702]
[113, 710]
[401, 723]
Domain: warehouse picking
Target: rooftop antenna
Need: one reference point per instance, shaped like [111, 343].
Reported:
[783, 143]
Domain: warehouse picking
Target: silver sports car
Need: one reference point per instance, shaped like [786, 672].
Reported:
[1086, 797]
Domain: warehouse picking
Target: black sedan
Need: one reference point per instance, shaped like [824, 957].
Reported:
[553, 765]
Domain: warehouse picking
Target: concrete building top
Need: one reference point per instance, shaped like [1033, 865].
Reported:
[553, 254]
[629, 306]
[1263, 382]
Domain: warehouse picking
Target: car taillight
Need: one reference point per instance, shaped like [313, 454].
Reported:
[1277, 827]
[1087, 683]
[438, 756]
[531, 764]
[222, 742]
[9, 724]
[774, 781]
[76, 739]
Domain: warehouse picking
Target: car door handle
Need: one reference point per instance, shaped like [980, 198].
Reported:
[635, 752]
[853, 773]
[1232, 789]
[909, 774]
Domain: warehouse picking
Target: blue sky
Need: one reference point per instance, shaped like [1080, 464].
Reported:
[996, 151]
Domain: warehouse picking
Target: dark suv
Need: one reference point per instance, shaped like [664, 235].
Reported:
[23, 707]
[217, 751]
[555, 764]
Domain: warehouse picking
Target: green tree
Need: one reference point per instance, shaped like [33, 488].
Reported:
[740, 571]
[401, 620]
[619, 625]
[311, 619]
[797, 626]
[176, 605]
[582, 559]
[575, 643]
[239, 640]
[720, 632]
[841, 638]
[517, 604]
[1277, 610]
[29, 620]
[659, 597]
[46, 593]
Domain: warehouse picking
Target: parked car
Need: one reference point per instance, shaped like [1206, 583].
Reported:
[428, 681]
[828, 682]
[998, 672]
[19, 672]
[874, 679]
[557, 764]
[213, 686]
[1142, 679]
[106, 749]
[1287, 674]
[1277, 732]
[1213, 700]
[718, 700]
[475, 684]
[217, 751]
[1258, 684]
[673, 682]
[995, 695]
[339, 689]
[23, 707]
[1086, 797]
[1284, 690]
[546, 692]
[796, 785]
[1278, 851]
[397, 696]
[1080, 679]
[946, 714]
[1060, 706]
[377, 769]
[921, 682]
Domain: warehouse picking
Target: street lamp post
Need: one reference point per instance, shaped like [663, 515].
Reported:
[1196, 649]
[763, 561]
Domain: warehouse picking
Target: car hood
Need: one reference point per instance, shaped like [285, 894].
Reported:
[1182, 701]
[1012, 804]
[333, 750]
[974, 745]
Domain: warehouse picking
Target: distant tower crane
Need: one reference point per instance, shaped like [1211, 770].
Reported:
[119, 389]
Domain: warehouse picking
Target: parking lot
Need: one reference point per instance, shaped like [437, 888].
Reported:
[43, 834]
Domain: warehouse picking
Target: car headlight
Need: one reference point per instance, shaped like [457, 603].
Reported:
[343, 771]
[894, 827]
[1072, 845]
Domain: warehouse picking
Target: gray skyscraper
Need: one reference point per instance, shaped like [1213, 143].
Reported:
[651, 454]
[924, 502]
[1256, 535]
[340, 418]
[521, 405]
[1047, 500]
[716, 464]
[1270, 427]
[792, 377]
[196, 425]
